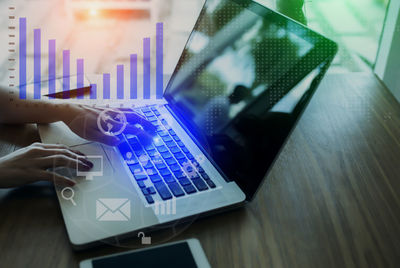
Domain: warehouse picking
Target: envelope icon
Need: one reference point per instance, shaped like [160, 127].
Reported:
[113, 209]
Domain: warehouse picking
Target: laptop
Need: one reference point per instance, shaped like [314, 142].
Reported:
[243, 80]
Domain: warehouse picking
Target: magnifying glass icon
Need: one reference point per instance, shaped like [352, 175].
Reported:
[69, 196]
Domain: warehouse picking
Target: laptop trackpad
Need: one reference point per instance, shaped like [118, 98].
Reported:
[107, 202]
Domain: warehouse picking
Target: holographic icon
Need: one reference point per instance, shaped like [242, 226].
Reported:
[113, 209]
[111, 122]
[96, 170]
[165, 207]
[70, 196]
[189, 168]
[146, 240]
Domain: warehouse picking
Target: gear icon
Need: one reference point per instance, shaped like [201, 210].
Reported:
[189, 170]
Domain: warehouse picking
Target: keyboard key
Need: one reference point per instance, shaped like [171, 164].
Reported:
[171, 132]
[180, 175]
[163, 190]
[199, 169]
[148, 165]
[147, 114]
[165, 172]
[175, 149]
[163, 134]
[170, 161]
[185, 150]
[124, 148]
[170, 144]
[190, 156]
[166, 155]
[210, 183]
[145, 110]
[141, 184]
[157, 141]
[135, 144]
[139, 152]
[164, 122]
[194, 176]
[182, 161]
[155, 178]
[184, 181]
[151, 171]
[176, 138]
[136, 168]
[151, 190]
[149, 147]
[145, 191]
[167, 138]
[131, 160]
[162, 149]
[144, 159]
[153, 108]
[204, 175]
[200, 184]
[175, 168]
[140, 176]
[157, 159]
[159, 128]
[189, 189]
[161, 166]
[152, 153]
[157, 113]
[149, 199]
[180, 143]
[176, 189]
[169, 179]
[189, 169]
[179, 156]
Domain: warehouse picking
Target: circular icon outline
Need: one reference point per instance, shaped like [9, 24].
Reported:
[101, 117]
[71, 198]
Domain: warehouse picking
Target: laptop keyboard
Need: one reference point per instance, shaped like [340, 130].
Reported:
[165, 167]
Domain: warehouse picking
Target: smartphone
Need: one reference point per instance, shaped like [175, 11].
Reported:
[182, 254]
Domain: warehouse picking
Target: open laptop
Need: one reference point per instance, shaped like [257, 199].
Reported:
[244, 78]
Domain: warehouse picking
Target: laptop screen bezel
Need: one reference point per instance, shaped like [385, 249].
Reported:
[324, 48]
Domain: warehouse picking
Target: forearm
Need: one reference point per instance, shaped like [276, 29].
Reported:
[17, 111]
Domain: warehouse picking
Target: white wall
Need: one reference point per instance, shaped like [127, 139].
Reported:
[388, 59]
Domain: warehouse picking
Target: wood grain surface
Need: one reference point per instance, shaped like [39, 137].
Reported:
[330, 200]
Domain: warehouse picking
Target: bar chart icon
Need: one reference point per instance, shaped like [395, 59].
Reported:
[68, 84]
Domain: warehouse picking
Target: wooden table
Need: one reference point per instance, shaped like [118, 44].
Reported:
[331, 199]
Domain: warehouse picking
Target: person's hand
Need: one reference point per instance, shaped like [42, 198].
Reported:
[31, 164]
[82, 120]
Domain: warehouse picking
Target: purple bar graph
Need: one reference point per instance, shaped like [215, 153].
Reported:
[159, 60]
[106, 86]
[66, 78]
[22, 58]
[146, 68]
[52, 66]
[93, 91]
[36, 64]
[80, 69]
[133, 76]
[80, 78]
[120, 81]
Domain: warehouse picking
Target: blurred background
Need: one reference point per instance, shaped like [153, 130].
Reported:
[104, 32]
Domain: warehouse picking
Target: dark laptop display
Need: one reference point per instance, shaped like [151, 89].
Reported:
[244, 77]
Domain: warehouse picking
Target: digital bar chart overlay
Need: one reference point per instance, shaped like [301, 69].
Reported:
[119, 85]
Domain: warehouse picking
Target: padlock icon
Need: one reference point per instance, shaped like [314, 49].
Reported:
[145, 240]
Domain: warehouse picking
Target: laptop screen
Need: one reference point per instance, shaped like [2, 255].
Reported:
[244, 76]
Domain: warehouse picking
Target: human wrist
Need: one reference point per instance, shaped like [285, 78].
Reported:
[66, 112]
